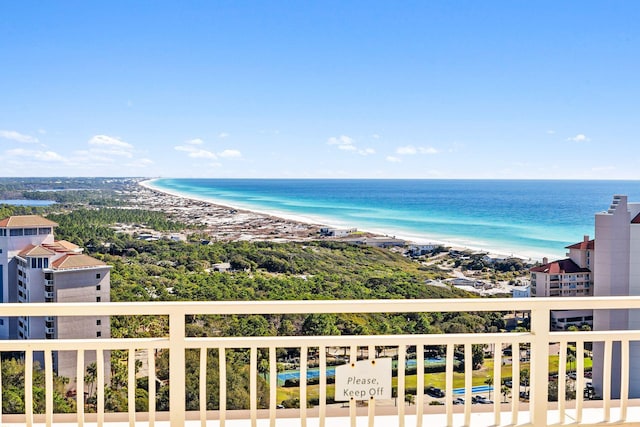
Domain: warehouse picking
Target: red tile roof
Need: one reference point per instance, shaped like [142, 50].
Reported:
[33, 251]
[62, 246]
[562, 266]
[73, 261]
[20, 221]
[636, 220]
[591, 244]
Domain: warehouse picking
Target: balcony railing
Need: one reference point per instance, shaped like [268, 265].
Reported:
[537, 412]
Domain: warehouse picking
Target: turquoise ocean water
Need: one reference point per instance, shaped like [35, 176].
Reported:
[528, 218]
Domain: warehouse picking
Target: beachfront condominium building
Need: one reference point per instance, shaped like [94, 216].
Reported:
[34, 267]
[617, 273]
[568, 277]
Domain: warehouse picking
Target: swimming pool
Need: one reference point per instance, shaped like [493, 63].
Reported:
[474, 389]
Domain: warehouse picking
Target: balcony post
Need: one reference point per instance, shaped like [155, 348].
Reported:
[177, 362]
[539, 372]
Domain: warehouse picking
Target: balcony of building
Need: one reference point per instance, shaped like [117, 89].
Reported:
[409, 405]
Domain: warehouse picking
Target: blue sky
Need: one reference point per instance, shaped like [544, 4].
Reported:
[356, 89]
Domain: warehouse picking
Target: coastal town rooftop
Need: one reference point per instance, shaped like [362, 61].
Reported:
[539, 341]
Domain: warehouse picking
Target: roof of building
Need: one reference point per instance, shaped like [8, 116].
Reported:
[73, 261]
[32, 251]
[62, 246]
[636, 220]
[590, 244]
[20, 221]
[562, 266]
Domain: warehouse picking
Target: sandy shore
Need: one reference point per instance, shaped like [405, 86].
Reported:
[223, 223]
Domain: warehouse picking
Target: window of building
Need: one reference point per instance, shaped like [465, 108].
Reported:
[30, 231]
[45, 230]
[97, 299]
[39, 262]
[98, 275]
[98, 334]
[3, 232]
[16, 232]
[34, 262]
[98, 322]
[97, 287]
[45, 262]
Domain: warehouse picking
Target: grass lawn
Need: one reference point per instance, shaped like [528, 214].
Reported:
[436, 379]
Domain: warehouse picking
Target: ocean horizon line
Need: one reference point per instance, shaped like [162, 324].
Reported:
[145, 179]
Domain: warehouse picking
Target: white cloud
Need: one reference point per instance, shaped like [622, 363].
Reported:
[109, 141]
[195, 141]
[428, 150]
[410, 150]
[196, 153]
[551, 131]
[375, 136]
[394, 159]
[579, 138]
[340, 140]
[230, 153]
[367, 152]
[17, 136]
[223, 135]
[45, 156]
[199, 153]
[346, 147]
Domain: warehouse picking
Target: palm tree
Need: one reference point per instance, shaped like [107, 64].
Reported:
[89, 379]
[505, 392]
[571, 358]
[489, 381]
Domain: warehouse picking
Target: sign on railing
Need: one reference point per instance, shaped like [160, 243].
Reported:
[365, 379]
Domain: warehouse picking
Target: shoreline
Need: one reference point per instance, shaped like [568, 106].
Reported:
[221, 208]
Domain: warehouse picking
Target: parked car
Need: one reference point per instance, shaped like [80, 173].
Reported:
[458, 401]
[508, 383]
[482, 400]
[435, 392]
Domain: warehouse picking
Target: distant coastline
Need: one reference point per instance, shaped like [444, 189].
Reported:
[324, 222]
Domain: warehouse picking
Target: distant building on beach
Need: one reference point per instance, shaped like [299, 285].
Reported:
[376, 241]
[337, 232]
[419, 250]
[34, 267]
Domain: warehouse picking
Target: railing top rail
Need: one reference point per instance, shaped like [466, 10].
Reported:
[318, 306]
